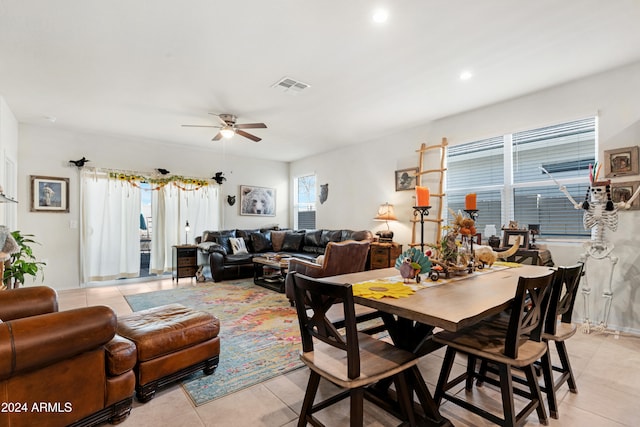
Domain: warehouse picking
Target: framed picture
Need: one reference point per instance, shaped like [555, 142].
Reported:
[622, 161]
[622, 192]
[510, 237]
[49, 194]
[260, 201]
[406, 179]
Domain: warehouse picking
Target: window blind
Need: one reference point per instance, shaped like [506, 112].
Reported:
[525, 191]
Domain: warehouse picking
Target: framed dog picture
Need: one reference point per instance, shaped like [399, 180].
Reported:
[406, 179]
[621, 161]
[259, 201]
[49, 194]
[622, 192]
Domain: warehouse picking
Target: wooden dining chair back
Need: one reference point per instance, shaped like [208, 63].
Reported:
[558, 328]
[563, 296]
[516, 343]
[318, 298]
[529, 308]
[349, 359]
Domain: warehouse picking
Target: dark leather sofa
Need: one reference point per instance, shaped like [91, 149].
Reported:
[65, 368]
[310, 244]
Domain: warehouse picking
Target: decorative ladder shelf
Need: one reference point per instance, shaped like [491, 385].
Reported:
[439, 196]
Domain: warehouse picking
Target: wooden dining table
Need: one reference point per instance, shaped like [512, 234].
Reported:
[450, 304]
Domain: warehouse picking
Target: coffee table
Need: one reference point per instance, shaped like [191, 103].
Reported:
[270, 272]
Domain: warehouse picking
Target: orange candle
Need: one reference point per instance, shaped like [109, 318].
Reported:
[470, 202]
[422, 196]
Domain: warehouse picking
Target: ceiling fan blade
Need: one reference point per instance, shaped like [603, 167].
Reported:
[219, 118]
[200, 126]
[251, 126]
[218, 137]
[248, 135]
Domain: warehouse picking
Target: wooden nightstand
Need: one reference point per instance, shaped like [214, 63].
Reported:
[383, 255]
[185, 262]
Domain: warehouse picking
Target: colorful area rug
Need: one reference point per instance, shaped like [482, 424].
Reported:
[259, 334]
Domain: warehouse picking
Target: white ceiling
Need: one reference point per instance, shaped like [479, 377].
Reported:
[143, 67]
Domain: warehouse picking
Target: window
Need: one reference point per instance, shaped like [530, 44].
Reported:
[507, 174]
[304, 205]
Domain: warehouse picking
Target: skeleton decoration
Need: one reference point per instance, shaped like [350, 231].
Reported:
[600, 213]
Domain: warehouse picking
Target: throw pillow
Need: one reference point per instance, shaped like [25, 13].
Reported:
[320, 260]
[238, 246]
[330, 236]
[260, 242]
[277, 239]
[313, 238]
[246, 235]
[225, 242]
[208, 237]
[292, 242]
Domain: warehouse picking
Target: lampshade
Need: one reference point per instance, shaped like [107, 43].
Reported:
[227, 131]
[386, 213]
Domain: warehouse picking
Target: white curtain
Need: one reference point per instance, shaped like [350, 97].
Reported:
[171, 208]
[165, 215]
[110, 222]
[201, 209]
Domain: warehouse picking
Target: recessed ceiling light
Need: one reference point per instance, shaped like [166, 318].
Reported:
[465, 75]
[380, 16]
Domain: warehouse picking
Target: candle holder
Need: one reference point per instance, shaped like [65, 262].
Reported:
[422, 211]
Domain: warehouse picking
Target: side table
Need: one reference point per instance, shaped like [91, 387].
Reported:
[185, 262]
[383, 255]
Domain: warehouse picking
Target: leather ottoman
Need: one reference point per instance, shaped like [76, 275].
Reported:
[172, 341]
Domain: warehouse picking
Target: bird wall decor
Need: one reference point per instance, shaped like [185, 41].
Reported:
[163, 171]
[79, 163]
[219, 178]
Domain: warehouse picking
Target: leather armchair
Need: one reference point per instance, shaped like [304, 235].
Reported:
[61, 368]
[349, 256]
[345, 257]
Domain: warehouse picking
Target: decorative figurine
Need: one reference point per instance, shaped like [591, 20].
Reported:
[411, 263]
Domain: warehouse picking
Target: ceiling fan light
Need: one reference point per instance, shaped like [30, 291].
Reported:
[227, 132]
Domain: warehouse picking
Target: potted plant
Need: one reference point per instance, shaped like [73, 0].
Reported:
[22, 262]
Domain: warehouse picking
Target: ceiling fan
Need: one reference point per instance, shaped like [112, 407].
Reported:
[228, 127]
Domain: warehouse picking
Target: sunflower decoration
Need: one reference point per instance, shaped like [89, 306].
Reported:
[381, 288]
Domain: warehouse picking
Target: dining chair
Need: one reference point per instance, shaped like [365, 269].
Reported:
[516, 343]
[558, 328]
[349, 359]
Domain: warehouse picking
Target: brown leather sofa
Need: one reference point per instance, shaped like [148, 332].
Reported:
[61, 368]
[215, 247]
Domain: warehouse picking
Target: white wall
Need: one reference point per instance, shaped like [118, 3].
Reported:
[46, 151]
[361, 177]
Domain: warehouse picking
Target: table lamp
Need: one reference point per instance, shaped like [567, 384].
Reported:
[386, 214]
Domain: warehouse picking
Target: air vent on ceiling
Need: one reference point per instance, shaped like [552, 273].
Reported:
[291, 86]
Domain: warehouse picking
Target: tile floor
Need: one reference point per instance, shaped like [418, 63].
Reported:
[607, 370]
